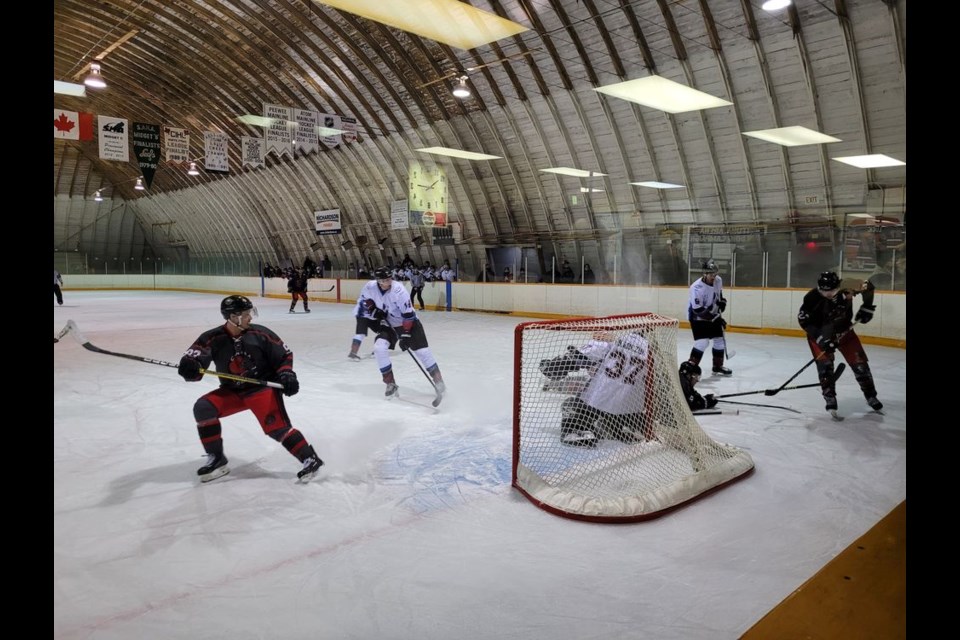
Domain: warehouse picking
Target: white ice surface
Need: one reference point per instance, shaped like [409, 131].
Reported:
[411, 531]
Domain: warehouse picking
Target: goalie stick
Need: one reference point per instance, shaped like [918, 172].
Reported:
[86, 344]
[836, 375]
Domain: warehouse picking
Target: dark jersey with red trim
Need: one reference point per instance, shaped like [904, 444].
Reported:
[256, 353]
[820, 315]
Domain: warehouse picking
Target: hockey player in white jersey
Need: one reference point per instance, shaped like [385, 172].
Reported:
[613, 404]
[706, 305]
[389, 303]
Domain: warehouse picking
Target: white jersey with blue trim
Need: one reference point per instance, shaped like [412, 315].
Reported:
[620, 382]
[704, 298]
[395, 301]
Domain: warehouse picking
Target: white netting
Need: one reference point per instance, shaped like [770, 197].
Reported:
[602, 430]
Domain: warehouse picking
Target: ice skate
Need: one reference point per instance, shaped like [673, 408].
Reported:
[579, 439]
[215, 467]
[353, 356]
[722, 371]
[393, 391]
[310, 467]
[831, 408]
[875, 404]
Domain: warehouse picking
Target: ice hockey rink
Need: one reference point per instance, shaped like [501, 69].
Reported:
[411, 529]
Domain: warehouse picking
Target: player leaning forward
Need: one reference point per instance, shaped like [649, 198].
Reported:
[252, 351]
[826, 316]
[389, 303]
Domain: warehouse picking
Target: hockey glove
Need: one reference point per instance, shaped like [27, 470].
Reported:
[189, 369]
[723, 323]
[405, 336]
[828, 345]
[374, 310]
[865, 314]
[711, 400]
[290, 384]
[722, 304]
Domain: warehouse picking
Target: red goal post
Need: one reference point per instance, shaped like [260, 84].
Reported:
[601, 430]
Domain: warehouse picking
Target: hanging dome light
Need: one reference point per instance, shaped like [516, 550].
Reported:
[139, 186]
[774, 5]
[460, 89]
[95, 79]
[97, 196]
[193, 171]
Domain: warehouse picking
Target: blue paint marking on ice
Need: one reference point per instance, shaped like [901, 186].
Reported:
[448, 470]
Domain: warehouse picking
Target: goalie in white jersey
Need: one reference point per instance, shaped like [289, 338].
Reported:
[614, 403]
[388, 302]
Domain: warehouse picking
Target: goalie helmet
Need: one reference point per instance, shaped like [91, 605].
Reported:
[828, 281]
[234, 306]
[689, 369]
[382, 273]
[709, 266]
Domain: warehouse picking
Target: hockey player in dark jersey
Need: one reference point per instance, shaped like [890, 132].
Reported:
[297, 288]
[826, 315]
[689, 377]
[251, 351]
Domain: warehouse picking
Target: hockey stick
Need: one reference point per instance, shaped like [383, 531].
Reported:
[716, 412]
[332, 287]
[436, 401]
[66, 329]
[751, 404]
[86, 344]
[839, 372]
[727, 351]
[773, 392]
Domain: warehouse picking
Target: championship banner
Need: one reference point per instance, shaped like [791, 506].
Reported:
[215, 152]
[398, 215]
[146, 148]
[72, 125]
[177, 144]
[113, 138]
[328, 222]
[349, 126]
[277, 133]
[328, 122]
[306, 134]
[252, 152]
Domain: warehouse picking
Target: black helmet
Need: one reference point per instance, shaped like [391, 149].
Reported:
[690, 369]
[234, 305]
[828, 281]
[709, 266]
[381, 273]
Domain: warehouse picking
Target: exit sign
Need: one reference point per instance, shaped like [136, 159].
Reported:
[811, 199]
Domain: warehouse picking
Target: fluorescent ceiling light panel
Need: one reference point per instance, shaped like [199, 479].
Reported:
[659, 93]
[257, 121]
[458, 153]
[448, 21]
[588, 190]
[576, 173]
[870, 162]
[69, 89]
[653, 184]
[775, 5]
[791, 136]
[860, 215]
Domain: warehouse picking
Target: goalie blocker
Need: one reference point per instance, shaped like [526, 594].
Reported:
[641, 452]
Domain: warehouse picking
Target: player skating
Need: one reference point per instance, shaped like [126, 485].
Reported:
[388, 301]
[826, 315]
[297, 287]
[253, 351]
[706, 305]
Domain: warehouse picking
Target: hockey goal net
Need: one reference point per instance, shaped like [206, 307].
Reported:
[601, 430]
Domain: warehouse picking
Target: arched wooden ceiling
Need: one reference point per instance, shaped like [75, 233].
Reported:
[835, 66]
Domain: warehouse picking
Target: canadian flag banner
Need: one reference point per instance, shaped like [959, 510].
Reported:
[71, 125]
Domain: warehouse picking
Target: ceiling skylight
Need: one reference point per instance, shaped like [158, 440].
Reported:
[791, 136]
[871, 161]
[457, 153]
[576, 173]
[659, 93]
[448, 21]
[653, 184]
